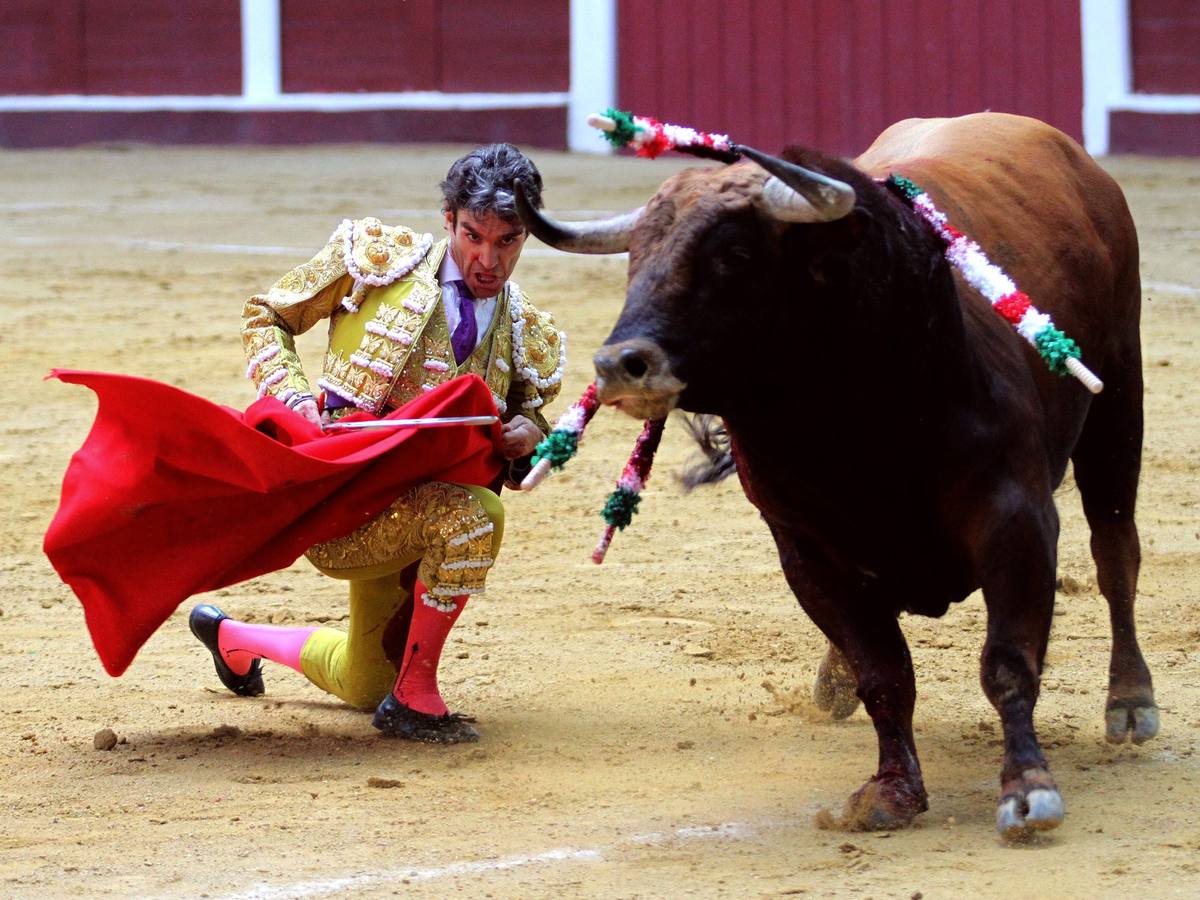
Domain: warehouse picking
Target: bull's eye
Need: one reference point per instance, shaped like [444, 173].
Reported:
[731, 261]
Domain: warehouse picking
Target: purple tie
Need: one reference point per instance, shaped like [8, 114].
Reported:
[463, 339]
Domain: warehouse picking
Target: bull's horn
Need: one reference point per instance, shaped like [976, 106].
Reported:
[601, 236]
[797, 194]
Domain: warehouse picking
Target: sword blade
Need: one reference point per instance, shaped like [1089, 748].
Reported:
[445, 422]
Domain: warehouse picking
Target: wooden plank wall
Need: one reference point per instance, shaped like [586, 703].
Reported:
[833, 73]
[127, 47]
[43, 52]
[425, 45]
[1165, 46]
[138, 47]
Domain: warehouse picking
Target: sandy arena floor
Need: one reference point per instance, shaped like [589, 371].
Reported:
[646, 728]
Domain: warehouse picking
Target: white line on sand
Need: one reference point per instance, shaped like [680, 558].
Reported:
[246, 249]
[1171, 287]
[300, 889]
[41, 205]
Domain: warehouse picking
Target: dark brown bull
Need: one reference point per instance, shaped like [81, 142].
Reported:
[900, 439]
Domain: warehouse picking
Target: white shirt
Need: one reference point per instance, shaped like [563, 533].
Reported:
[485, 308]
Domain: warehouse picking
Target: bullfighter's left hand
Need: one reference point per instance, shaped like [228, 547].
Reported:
[518, 437]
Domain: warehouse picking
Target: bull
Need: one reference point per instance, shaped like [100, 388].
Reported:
[901, 441]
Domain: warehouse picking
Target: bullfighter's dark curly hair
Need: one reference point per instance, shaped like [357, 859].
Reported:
[482, 182]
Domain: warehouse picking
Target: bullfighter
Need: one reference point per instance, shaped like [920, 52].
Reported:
[406, 315]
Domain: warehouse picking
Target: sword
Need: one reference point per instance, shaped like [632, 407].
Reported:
[446, 422]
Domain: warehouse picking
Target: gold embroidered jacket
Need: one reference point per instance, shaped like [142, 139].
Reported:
[388, 334]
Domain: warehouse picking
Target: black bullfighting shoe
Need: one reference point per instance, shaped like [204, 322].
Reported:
[205, 621]
[396, 720]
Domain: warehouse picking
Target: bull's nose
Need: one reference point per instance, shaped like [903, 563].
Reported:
[634, 362]
[622, 363]
[635, 376]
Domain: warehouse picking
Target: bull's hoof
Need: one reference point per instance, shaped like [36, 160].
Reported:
[883, 804]
[1128, 717]
[1028, 804]
[835, 688]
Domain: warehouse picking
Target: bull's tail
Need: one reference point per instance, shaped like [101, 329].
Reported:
[717, 463]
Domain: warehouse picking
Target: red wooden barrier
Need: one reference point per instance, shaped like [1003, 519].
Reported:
[120, 47]
[42, 52]
[357, 45]
[505, 46]
[1165, 39]
[424, 45]
[182, 47]
[834, 73]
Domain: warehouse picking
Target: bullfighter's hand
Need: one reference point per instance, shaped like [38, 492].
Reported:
[518, 437]
[308, 409]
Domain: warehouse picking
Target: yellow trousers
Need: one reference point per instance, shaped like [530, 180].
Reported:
[451, 532]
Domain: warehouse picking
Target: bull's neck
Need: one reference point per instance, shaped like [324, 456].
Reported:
[880, 374]
[906, 361]
[860, 438]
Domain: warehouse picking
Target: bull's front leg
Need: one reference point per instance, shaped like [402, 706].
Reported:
[869, 639]
[1016, 564]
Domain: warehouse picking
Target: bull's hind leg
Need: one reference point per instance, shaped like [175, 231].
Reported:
[1107, 462]
[835, 690]
[1017, 575]
[869, 638]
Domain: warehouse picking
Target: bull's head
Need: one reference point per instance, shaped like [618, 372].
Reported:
[704, 254]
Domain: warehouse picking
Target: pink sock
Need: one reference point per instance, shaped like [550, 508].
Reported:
[417, 686]
[241, 643]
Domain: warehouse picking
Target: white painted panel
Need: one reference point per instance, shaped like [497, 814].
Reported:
[593, 70]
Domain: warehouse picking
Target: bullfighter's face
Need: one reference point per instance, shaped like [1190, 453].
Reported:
[485, 248]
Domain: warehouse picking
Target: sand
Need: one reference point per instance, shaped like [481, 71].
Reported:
[646, 727]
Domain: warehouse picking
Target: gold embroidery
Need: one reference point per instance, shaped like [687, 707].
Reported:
[379, 249]
[541, 341]
[378, 254]
[295, 303]
[442, 522]
[409, 338]
[543, 353]
[369, 367]
[352, 381]
[322, 270]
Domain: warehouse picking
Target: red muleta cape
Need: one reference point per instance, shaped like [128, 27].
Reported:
[172, 495]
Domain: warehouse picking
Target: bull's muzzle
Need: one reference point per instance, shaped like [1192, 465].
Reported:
[635, 376]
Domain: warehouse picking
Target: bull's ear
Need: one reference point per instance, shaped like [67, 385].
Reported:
[827, 249]
[854, 225]
[840, 236]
